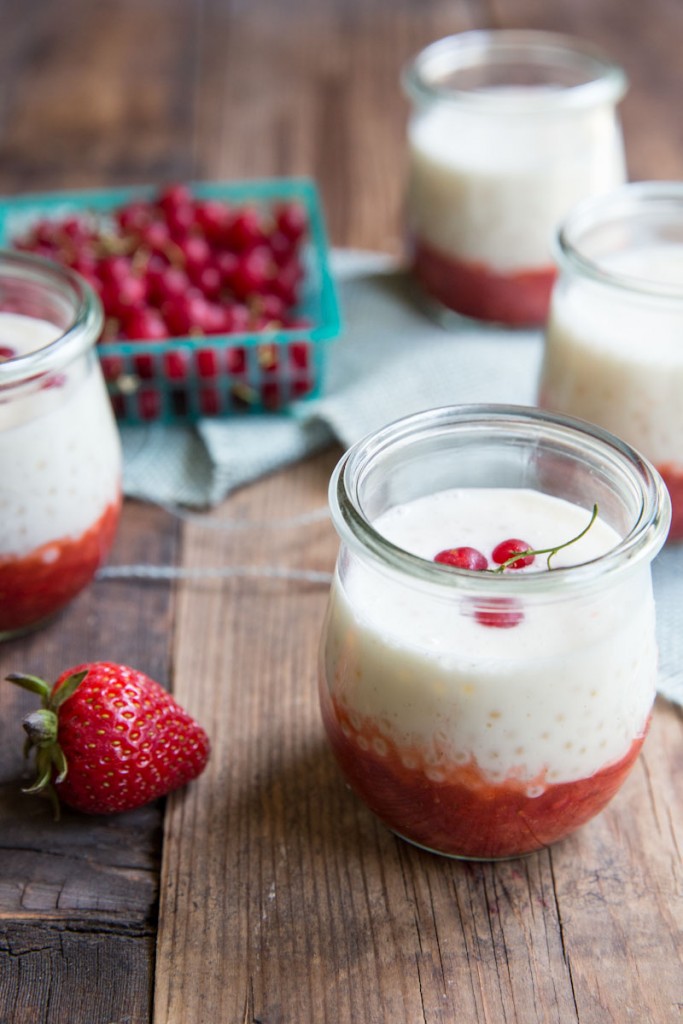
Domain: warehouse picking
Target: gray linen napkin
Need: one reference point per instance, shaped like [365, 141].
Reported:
[391, 360]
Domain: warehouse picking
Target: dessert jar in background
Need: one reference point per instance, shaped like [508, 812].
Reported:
[60, 456]
[508, 130]
[614, 341]
[484, 714]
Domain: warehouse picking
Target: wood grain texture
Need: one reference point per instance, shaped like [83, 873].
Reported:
[78, 899]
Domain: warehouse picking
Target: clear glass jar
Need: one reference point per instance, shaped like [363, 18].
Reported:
[508, 130]
[614, 341]
[484, 714]
[60, 457]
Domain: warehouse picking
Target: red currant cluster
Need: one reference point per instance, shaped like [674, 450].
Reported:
[177, 265]
[498, 612]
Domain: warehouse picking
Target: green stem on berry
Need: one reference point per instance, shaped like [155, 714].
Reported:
[550, 552]
[42, 732]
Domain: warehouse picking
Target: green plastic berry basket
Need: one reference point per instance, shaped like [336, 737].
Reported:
[183, 379]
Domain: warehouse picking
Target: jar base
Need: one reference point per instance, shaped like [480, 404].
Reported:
[6, 635]
[463, 856]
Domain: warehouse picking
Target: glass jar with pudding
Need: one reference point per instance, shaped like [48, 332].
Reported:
[60, 457]
[614, 341]
[485, 707]
[508, 130]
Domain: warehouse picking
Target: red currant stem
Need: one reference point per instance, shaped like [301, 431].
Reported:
[550, 552]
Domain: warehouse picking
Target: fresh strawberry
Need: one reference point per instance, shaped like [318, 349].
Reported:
[108, 738]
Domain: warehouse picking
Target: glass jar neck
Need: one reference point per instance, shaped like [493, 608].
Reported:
[518, 72]
[599, 232]
[523, 447]
[35, 288]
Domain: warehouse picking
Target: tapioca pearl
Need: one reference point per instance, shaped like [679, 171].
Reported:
[434, 757]
[380, 746]
[362, 742]
[461, 757]
[535, 791]
[434, 775]
[356, 720]
[346, 729]
[50, 555]
[409, 761]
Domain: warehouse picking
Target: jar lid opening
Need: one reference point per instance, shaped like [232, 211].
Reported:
[515, 71]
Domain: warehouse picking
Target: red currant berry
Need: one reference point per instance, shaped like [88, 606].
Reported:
[174, 196]
[145, 325]
[212, 217]
[246, 230]
[149, 404]
[114, 268]
[237, 318]
[164, 283]
[176, 365]
[252, 273]
[209, 401]
[236, 361]
[133, 216]
[155, 236]
[499, 613]
[507, 548]
[291, 220]
[463, 558]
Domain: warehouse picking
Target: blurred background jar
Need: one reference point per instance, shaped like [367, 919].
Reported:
[508, 130]
[614, 342]
[60, 458]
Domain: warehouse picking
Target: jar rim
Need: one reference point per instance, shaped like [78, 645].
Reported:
[630, 203]
[644, 540]
[607, 81]
[82, 332]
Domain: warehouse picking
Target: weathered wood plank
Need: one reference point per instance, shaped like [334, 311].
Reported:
[78, 898]
[60, 972]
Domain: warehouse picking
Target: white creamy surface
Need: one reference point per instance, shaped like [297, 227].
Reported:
[492, 188]
[563, 693]
[60, 460]
[617, 359]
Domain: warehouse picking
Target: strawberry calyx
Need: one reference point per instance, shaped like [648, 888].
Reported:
[42, 732]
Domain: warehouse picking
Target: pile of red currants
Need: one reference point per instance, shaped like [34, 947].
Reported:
[178, 265]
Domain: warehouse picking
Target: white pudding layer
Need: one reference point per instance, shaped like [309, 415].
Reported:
[615, 357]
[558, 696]
[60, 458]
[492, 188]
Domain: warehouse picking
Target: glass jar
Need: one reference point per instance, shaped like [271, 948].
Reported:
[60, 457]
[508, 130]
[614, 341]
[484, 714]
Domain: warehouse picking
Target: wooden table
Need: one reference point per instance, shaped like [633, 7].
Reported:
[265, 892]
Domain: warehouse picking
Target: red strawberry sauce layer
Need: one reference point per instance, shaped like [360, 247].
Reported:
[461, 813]
[37, 585]
[519, 299]
[673, 478]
